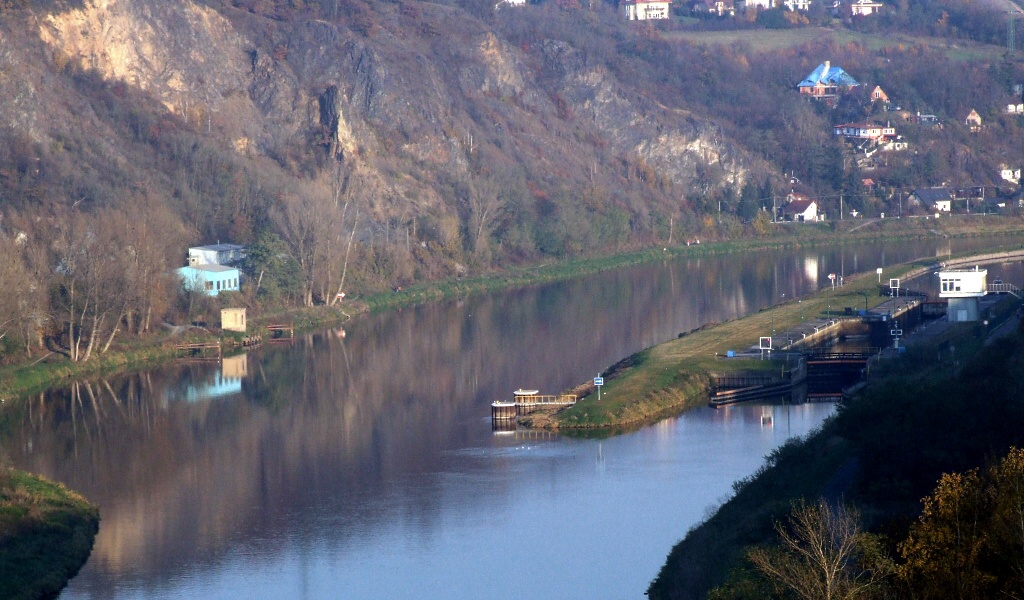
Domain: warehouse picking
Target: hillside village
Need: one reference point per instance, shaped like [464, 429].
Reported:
[864, 140]
[641, 10]
[875, 140]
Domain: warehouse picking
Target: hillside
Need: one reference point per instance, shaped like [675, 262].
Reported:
[361, 145]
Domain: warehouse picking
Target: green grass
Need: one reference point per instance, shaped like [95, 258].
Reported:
[675, 375]
[46, 535]
[769, 40]
[29, 377]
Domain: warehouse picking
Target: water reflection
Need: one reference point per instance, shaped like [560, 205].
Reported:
[366, 463]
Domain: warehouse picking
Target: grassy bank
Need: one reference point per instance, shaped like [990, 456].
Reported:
[674, 376]
[46, 535]
[33, 375]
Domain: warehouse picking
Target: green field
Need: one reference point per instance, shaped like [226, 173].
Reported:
[768, 40]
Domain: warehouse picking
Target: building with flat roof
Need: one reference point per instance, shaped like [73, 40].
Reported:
[215, 254]
[210, 279]
[962, 288]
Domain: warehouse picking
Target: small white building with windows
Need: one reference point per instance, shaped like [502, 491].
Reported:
[215, 254]
[209, 279]
[865, 7]
[643, 10]
[962, 288]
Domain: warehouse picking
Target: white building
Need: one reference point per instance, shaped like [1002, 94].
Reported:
[963, 288]
[215, 254]
[865, 7]
[865, 131]
[797, 4]
[802, 210]
[642, 10]
[1011, 175]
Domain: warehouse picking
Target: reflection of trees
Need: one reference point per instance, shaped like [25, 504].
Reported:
[332, 425]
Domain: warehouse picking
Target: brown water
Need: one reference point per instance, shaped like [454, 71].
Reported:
[360, 463]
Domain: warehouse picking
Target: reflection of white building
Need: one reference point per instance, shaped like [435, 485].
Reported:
[223, 382]
[236, 367]
[811, 269]
[963, 288]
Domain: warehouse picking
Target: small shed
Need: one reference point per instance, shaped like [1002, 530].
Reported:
[211, 279]
[233, 319]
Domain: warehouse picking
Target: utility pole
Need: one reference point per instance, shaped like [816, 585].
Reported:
[840, 207]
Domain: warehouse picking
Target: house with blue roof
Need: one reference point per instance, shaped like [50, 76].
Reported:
[826, 82]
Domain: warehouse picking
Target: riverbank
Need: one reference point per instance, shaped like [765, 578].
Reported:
[675, 376]
[36, 374]
[46, 535]
[924, 414]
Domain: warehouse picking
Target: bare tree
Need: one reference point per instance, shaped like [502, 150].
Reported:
[23, 292]
[485, 210]
[822, 554]
[307, 221]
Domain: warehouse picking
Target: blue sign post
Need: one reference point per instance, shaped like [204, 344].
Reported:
[599, 381]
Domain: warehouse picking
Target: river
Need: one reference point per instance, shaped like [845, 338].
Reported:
[359, 462]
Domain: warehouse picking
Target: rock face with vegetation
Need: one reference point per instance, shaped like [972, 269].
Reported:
[361, 145]
[46, 535]
[405, 140]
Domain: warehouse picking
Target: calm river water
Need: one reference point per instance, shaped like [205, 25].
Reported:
[360, 463]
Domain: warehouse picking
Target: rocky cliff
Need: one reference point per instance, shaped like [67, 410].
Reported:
[406, 107]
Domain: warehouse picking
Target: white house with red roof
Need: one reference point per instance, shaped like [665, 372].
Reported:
[800, 210]
[643, 10]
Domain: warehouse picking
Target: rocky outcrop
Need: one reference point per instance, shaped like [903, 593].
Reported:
[418, 108]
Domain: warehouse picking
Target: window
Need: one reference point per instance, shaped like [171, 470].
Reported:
[209, 286]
